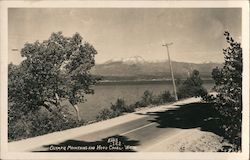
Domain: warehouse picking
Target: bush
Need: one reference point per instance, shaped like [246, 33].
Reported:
[105, 114]
[137, 104]
[192, 87]
[115, 110]
[39, 123]
[130, 108]
[147, 98]
[165, 97]
[119, 107]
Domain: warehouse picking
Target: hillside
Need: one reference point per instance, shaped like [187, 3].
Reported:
[137, 70]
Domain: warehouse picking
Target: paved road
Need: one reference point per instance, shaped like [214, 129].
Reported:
[146, 129]
[138, 134]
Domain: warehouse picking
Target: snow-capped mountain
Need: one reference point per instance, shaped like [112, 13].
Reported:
[133, 60]
[137, 68]
[130, 60]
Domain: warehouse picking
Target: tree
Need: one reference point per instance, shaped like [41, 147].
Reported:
[55, 69]
[228, 85]
[192, 86]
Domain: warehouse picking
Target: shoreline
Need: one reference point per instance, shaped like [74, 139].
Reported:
[144, 81]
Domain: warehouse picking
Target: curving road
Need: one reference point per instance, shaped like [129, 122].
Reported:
[140, 131]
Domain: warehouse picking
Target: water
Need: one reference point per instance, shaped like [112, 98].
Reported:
[105, 94]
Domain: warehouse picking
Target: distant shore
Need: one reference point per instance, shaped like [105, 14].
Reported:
[143, 81]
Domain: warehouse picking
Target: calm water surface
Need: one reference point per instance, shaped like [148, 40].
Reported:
[105, 94]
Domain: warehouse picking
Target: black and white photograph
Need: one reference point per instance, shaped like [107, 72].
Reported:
[137, 79]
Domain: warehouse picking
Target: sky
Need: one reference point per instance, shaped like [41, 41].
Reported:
[116, 33]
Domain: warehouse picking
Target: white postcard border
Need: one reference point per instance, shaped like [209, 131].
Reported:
[123, 4]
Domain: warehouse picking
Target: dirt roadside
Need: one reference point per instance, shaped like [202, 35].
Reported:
[190, 140]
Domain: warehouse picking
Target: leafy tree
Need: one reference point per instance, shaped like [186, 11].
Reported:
[192, 86]
[53, 70]
[228, 82]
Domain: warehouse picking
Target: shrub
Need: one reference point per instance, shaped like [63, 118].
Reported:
[130, 108]
[119, 107]
[105, 114]
[38, 123]
[137, 104]
[147, 98]
[115, 110]
[165, 97]
[192, 86]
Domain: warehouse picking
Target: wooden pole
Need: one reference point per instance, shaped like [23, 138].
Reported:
[171, 70]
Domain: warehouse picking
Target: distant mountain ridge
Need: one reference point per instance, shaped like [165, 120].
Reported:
[130, 60]
[133, 60]
[136, 68]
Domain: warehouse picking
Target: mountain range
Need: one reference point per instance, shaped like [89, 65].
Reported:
[136, 68]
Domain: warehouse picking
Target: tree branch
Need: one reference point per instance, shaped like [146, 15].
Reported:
[47, 107]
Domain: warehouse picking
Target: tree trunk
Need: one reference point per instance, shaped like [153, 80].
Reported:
[47, 107]
[77, 112]
[57, 99]
[27, 130]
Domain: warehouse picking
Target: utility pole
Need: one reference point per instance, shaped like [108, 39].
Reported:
[171, 69]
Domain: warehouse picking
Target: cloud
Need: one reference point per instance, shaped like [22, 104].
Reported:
[215, 29]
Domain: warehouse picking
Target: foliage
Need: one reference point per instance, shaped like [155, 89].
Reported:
[115, 110]
[39, 123]
[52, 70]
[192, 86]
[178, 81]
[59, 65]
[119, 107]
[105, 114]
[147, 99]
[165, 97]
[228, 82]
